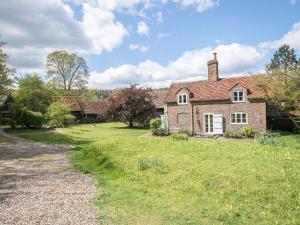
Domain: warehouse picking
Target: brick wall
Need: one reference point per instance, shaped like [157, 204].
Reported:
[179, 116]
[256, 114]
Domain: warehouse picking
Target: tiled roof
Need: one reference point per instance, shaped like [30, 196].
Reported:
[71, 100]
[159, 98]
[98, 108]
[204, 90]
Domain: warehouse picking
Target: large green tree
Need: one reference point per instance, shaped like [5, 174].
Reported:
[67, 70]
[284, 59]
[281, 83]
[32, 93]
[6, 74]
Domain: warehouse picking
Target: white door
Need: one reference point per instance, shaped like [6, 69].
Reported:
[218, 124]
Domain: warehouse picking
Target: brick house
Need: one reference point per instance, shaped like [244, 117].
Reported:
[215, 105]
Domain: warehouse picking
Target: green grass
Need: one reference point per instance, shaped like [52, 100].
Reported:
[163, 181]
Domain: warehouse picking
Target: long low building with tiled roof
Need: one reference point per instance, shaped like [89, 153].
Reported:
[83, 109]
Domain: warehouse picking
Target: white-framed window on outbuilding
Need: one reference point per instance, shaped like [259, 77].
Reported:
[182, 99]
[238, 96]
[239, 118]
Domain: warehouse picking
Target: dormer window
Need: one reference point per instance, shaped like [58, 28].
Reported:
[238, 96]
[182, 99]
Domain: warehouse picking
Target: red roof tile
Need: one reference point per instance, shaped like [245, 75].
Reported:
[204, 90]
[98, 108]
[159, 98]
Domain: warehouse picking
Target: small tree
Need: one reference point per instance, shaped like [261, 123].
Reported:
[133, 106]
[58, 115]
[67, 70]
[32, 93]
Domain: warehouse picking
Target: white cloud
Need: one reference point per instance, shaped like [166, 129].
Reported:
[201, 5]
[142, 28]
[102, 29]
[292, 2]
[291, 38]
[159, 17]
[162, 35]
[33, 28]
[141, 48]
[233, 59]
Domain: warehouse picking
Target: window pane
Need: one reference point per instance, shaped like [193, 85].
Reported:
[238, 118]
[235, 96]
[233, 118]
[211, 127]
[184, 98]
[206, 119]
[241, 96]
[180, 98]
[244, 119]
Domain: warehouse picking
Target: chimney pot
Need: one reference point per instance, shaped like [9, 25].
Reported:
[215, 55]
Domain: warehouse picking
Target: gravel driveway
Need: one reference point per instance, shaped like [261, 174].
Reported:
[38, 186]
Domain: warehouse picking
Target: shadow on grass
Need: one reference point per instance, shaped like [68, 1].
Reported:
[47, 136]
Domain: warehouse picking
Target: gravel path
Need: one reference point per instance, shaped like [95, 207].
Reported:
[38, 186]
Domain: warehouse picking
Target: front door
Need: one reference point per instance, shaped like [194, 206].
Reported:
[213, 123]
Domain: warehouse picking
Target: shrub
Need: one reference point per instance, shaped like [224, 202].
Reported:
[233, 134]
[5, 121]
[58, 115]
[155, 123]
[160, 132]
[179, 137]
[247, 131]
[187, 132]
[267, 139]
[22, 117]
[156, 129]
[32, 119]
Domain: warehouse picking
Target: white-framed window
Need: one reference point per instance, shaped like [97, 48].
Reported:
[208, 123]
[238, 96]
[182, 99]
[239, 118]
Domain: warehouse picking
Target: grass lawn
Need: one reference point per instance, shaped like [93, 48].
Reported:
[147, 181]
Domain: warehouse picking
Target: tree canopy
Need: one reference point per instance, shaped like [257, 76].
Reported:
[67, 70]
[6, 74]
[32, 93]
[133, 106]
[283, 59]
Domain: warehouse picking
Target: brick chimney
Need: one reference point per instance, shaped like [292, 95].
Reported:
[213, 72]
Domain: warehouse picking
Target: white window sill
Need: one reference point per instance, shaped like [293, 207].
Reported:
[182, 103]
[238, 101]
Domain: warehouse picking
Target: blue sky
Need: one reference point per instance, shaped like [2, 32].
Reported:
[151, 42]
